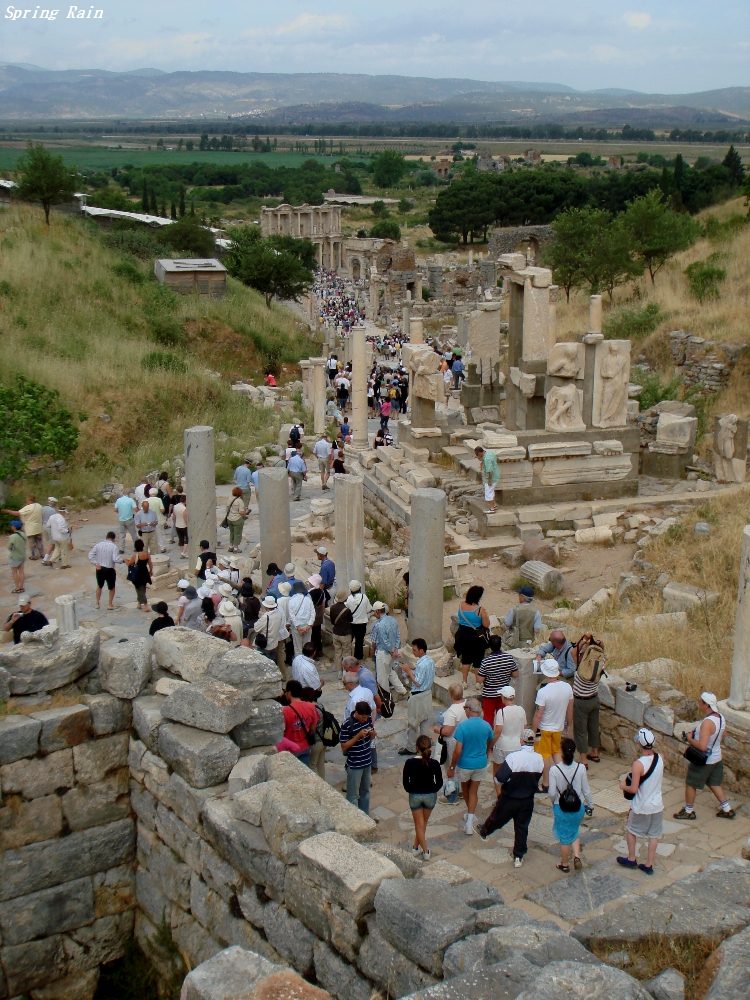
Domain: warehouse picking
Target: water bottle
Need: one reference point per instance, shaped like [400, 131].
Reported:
[441, 718]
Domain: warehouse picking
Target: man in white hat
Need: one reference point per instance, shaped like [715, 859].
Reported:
[553, 715]
[156, 504]
[361, 609]
[26, 619]
[706, 739]
[646, 815]
[267, 628]
[327, 567]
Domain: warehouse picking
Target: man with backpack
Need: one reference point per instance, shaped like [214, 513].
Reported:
[589, 653]
[561, 649]
[300, 721]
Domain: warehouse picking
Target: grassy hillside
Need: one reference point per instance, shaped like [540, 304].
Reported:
[95, 325]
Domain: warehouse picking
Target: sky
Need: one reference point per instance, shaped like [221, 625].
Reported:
[656, 47]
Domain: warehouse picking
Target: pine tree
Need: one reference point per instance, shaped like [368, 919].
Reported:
[173, 211]
[679, 171]
[192, 209]
[163, 210]
[182, 200]
[144, 196]
[154, 206]
[733, 162]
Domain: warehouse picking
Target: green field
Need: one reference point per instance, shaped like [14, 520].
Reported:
[101, 158]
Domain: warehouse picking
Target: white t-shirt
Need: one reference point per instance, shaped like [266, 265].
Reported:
[322, 449]
[554, 697]
[454, 714]
[513, 720]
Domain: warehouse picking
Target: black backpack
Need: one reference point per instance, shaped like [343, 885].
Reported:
[569, 801]
[328, 728]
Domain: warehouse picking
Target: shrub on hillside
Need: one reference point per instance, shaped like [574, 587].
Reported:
[704, 278]
[633, 324]
[164, 361]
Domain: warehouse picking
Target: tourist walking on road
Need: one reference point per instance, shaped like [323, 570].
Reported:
[490, 477]
[516, 781]
[103, 556]
[322, 451]
[385, 413]
[242, 479]
[570, 796]
[646, 816]
[510, 722]
[362, 686]
[17, 555]
[140, 575]
[146, 521]
[31, 518]
[126, 506]
[235, 517]
[297, 469]
[180, 516]
[327, 567]
[300, 720]
[473, 621]
[385, 642]
[419, 703]
[305, 671]
[474, 739]
[361, 609]
[156, 504]
[706, 742]
[61, 537]
[163, 618]
[451, 718]
[356, 736]
[422, 779]
[496, 670]
[553, 715]
[267, 628]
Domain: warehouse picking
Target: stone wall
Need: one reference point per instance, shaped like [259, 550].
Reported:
[702, 362]
[67, 881]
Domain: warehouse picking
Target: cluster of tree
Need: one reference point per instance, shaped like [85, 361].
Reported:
[594, 248]
[33, 425]
[476, 201]
[278, 266]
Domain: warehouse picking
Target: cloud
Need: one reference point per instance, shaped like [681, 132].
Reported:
[311, 22]
[636, 20]
[605, 53]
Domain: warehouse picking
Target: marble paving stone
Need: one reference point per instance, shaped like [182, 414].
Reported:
[662, 850]
[380, 812]
[612, 801]
[493, 856]
[573, 897]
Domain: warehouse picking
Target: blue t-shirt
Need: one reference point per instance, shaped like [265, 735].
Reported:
[367, 680]
[125, 507]
[242, 477]
[254, 478]
[473, 735]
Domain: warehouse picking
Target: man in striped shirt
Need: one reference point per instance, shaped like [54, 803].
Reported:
[103, 556]
[496, 670]
[356, 736]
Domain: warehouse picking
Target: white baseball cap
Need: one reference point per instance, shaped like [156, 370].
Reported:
[183, 583]
[710, 700]
[645, 737]
[507, 691]
[322, 550]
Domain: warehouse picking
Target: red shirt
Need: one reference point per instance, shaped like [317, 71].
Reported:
[293, 728]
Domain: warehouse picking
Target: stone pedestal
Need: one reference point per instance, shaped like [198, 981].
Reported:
[426, 551]
[739, 693]
[318, 394]
[200, 489]
[273, 510]
[405, 321]
[595, 314]
[416, 330]
[350, 522]
[65, 610]
[359, 389]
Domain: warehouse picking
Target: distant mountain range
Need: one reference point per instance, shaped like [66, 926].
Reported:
[32, 93]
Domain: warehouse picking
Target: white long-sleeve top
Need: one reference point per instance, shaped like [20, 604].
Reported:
[360, 608]
[301, 610]
[576, 775]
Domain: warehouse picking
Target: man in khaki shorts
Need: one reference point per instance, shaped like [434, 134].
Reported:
[474, 739]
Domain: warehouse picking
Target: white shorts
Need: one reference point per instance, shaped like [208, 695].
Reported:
[489, 492]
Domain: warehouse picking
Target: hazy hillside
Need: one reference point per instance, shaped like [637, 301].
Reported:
[28, 92]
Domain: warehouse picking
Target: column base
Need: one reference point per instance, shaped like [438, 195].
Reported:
[735, 717]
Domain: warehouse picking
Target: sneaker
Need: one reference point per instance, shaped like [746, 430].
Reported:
[626, 862]
[416, 851]
[482, 834]
[684, 814]
[647, 869]
[427, 856]
[726, 814]
[465, 817]
[469, 830]
[517, 862]
[405, 752]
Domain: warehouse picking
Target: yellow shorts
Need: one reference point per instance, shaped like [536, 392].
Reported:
[548, 744]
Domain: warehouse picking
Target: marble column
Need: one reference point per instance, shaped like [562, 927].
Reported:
[406, 320]
[595, 314]
[318, 394]
[359, 389]
[739, 693]
[349, 532]
[65, 613]
[416, 330]
[374, 296]
[273, 511]
[200, 489]
[426, 554]
[306, 367]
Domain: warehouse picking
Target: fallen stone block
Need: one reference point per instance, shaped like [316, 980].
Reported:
[594, 536]
[670, 984]
[606, 520]
[598, 600]
[538, 945]
[478, 895]
[686, 597]
[147, 718]
[347, 872]
[407, 864]
[248, 670]
[733, 975]
[503, 981]
[539, 550]
[422, 918]
[542, 577]
[188, 653]
[108, 714]
[248, 771]
[230, 974]
[208, 704]
[94, 760]
[508, 916]
[594, 982]
[201, 758]
[512, 557]
[34, 668]
[63, 727]
[36, 777]
[446, 872]
[263, 727]
[677, 619]
[341, 979]
[389, 969]
[19, 737]
[464, 956]
[125, 665]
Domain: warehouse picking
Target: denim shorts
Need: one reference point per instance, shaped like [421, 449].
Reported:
[425, 800]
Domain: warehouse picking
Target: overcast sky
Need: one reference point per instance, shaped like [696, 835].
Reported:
[666, 46]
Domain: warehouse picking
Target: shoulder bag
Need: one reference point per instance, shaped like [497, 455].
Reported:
[310, 734]
[629, 778]
[699, 757]
[225, 522]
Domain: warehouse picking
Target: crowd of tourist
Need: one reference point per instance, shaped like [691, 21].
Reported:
[337, 302]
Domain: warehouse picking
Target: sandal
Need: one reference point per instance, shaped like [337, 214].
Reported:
[594, 760]
[563, 868]
[577, 864]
